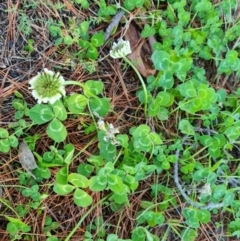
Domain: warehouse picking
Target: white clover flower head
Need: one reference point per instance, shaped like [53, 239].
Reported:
[206, 190]
[110, 131]
[120, 49]
[47, 86]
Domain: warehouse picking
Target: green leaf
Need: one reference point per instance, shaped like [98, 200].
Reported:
[123, 140]
[56, 130]
[13, 141]
[63, 189]
[187, 89]
[141, 131]
[97, 39]
[78, 180]
[166, 80]
[108, 151]
[163, 114]
[84, 3]
[228, 198]
[18, 104]
[44, 172]
[186, 128]
[12, 228]
[139, 3]
[142, 144]
[129, 4]
[120, 198]
[214, 152]
[155, 138]
[76, 103]
[96, 160]
[164, 99]
[131, 182]
[84, 26]
[200, 174]
[188, 234]
[68, 40]
[203, 216]
[219, 192]
[98, 183]
[68, 155]
[138, 234]
[129, 169]
[165, 165]
[92, 53]
[107, 169]
[85, 169]
[206, 140]
[153, 108]
[182, 66]
[112, 237]
[41, 114]
[4, 145]
[59, 110]
[161, 60]
[83, 44]
[203, 6]
[101, 106]
[94, 87]
[148, 31]
[153, 218]
[62, 175]
[81, 198]
[18, 94]
[115, 183]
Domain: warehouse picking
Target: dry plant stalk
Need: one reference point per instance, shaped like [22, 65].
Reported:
[26, 158]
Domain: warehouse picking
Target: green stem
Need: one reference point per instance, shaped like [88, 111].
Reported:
[83, 217]
[73, 82]
[142, 82]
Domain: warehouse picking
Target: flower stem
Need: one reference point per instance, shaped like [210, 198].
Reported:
[142, 82]
[73, 82]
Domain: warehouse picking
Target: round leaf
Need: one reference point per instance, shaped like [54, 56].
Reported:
[13, 141]
[92, 53]
[97, 39]
[98, 183]
[62, 189]
[164, 99]
[101, 106]
[161, 60]
[115, 183]
[78, 180]
[4, 145]
[76, 103]
[56, 130]
[59, 110]
[94, 87]
[81, 198]
[41, 114]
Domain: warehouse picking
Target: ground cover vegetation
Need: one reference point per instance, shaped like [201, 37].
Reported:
[119, 120]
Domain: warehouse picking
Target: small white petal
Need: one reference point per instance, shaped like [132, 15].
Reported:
[47, 71]
[54, 98]
[33, 80]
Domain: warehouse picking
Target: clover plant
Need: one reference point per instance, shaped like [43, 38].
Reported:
[179, 154]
